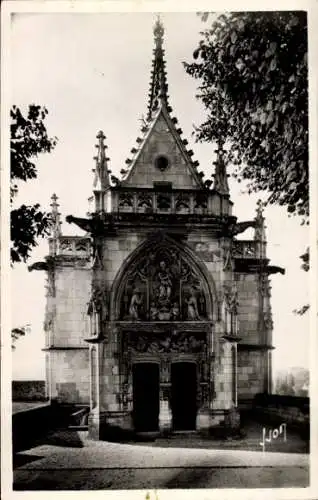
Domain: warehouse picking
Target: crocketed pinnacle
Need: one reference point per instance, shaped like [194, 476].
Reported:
[158, 85]
[221, 184]
[101, 180]
[55, 218]
[260, 234]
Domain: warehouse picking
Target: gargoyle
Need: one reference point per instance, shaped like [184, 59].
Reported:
[39, 266]
[96, 225]
[275, 269]
[85, 224]
[240, 227]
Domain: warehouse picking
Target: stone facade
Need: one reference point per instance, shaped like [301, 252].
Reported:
[160, 318]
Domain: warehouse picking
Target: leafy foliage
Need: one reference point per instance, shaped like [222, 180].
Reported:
[29, 138]
[16, 333]
[305, 266]
[252, 68]
[294, 382]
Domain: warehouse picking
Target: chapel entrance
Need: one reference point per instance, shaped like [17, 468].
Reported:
[146, 397]
[183, 396]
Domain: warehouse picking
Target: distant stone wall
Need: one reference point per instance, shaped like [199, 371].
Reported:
[292, 410]
[29, 390]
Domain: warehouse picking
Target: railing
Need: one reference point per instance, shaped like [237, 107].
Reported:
[170, 202]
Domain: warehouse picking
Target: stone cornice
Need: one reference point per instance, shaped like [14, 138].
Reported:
[65, 348]
[106, 224]
[254, 347]
[158, 326]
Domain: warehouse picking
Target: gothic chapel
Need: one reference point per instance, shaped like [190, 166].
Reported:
[158, 318]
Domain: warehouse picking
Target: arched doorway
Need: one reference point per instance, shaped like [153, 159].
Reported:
[162, 304]
[184, 396]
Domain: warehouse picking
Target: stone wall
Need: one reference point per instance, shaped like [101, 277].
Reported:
[73, 288]
[29, 390]
[276, 409]
[248, 309]
[223, 387]
[69, 376]
[250, 373]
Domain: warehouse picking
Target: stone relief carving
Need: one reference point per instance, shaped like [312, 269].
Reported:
[201, 201]
[268, 320]
[135, 307]
[125, 200]
[244, 249]
[171, 342]
[192, 312]
[182, 203]
[66, 245]
[81, 245]
[163, 287]
[230, 305]
[144, 201]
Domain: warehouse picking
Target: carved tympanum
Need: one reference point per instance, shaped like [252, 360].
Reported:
[162, 286]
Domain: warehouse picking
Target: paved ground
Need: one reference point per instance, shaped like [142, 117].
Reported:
[69, 461]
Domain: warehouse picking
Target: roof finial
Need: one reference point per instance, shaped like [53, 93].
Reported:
[158, 32]
[55, 217]
[158, 85]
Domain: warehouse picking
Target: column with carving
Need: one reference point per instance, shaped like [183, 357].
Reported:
[165, 413]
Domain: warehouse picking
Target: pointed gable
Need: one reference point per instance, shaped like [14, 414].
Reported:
[162, 157]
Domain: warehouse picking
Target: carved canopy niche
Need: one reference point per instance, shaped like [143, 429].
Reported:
[162, 285]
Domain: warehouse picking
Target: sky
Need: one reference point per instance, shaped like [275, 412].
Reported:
[92, 72]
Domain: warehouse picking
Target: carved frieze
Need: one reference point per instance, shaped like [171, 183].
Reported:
[171, 342]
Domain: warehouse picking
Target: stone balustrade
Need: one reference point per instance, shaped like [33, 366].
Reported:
[247, 249]
[170, 202]
[71, 246]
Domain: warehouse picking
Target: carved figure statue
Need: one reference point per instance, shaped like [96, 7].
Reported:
[165, 283]
[135, 305]
[175, 311]
[193, 313]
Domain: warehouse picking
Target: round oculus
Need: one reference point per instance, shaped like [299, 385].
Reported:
[162, 163]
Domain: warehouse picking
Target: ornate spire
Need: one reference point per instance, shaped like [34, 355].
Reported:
[158, 85]
[101, 180]
[220, 176]
[55, 216]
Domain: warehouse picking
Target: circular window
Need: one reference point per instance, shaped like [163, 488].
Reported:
[162, 163]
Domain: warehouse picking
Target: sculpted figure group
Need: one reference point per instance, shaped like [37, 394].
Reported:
[164, 298]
